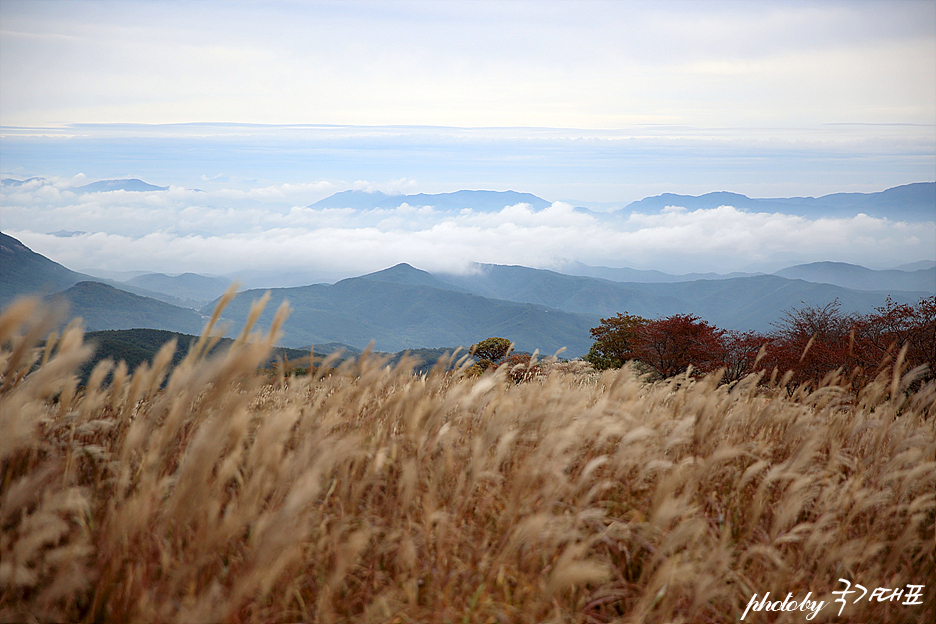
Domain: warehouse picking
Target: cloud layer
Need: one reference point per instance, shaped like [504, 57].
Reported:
[226, 230]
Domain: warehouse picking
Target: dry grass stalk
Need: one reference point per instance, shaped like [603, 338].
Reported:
[369, 494]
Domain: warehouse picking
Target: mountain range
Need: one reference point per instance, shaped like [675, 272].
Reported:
[910, 202]
[102, 306]
[861, 278]
[404, 307]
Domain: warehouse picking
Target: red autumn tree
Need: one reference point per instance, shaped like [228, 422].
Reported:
[881, 335]
[892, 326]
[812, 342]
[671, 345]
[742, 354]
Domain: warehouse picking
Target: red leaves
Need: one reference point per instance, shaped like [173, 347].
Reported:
[894, 326]
[669, 345]
[672, 344]
[813, 342]
[810, 342]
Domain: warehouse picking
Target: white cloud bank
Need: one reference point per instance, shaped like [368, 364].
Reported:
[225, 230]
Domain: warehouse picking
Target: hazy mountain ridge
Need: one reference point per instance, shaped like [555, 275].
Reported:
[404, 307]
[199, 289]
[915, 202]
[100, 186]
[917, 277]
[861, 278]
[625, 274]
[744, 303]
[403, 273]
[138, 346]
[910, 202]
[917, 266]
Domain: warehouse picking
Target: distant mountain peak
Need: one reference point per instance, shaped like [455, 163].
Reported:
[397, 272]
[404, 273]
[131, 184]
[830, 264]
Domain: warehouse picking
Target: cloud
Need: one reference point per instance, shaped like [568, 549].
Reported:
[227, 230]
[394, 187]
[286, 192]
[603, 64]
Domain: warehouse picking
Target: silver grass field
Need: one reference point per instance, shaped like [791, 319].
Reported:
[365, 493]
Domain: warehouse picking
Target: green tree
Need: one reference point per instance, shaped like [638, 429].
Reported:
[491, 351]
[615, 341]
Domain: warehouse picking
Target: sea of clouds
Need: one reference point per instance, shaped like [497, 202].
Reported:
[226, 229]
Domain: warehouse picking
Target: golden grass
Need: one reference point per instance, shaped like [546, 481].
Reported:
[373, 495]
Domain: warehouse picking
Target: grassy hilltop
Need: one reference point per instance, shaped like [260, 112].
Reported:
[373, 495]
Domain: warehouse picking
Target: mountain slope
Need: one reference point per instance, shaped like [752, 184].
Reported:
[403, 307]
[583, 295]
[918, 199]
[136, 346]
[24, 272]
[399, 316]
[757, 302]
[105, 307]
[916, 266]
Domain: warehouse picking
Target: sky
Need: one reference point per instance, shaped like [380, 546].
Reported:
[252, 111]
